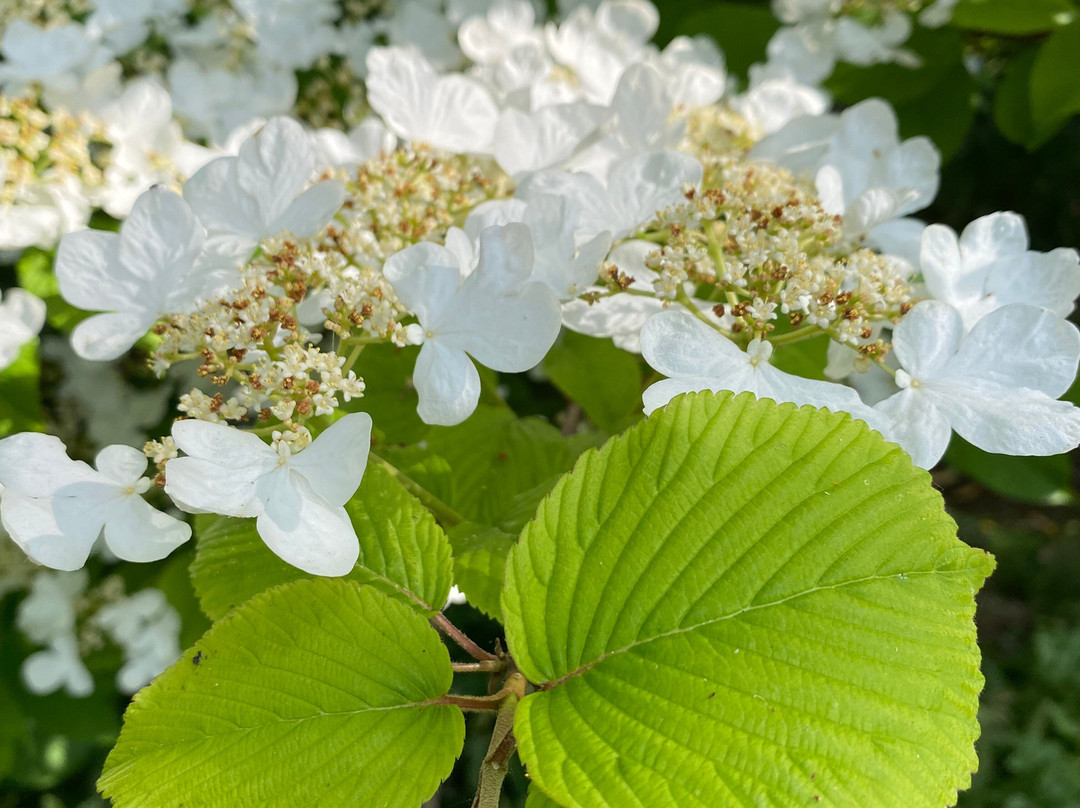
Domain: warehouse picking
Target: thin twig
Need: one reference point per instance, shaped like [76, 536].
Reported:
[443, 624]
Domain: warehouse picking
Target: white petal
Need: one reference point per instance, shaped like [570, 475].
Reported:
[1016, 422]
[334, 464]
[899, 237]
[1019, 346]
[425, 277]
[214, 195]
[943, 268]
[58, 533]
[532, 316]
[109, 336]
[202, 486]
[642, 186]
[1050, 280]
[122, 465]
[677, 344]
[927, 338]
[22, 311]
[274, 167]
[312, 210]
[988, 238]
[620, 317]
[800, 145]
[136, 531]
[160, 239]
[303, 530]
[84, 269]
[531, 141]
[660, 393]
[222, 444]
[447, 383]
[920, 428]
[38, 465]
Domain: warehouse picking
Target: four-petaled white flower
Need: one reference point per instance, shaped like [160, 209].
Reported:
[451, 112]
[298, 499]
[55, 507]
[261, 192]
[636, 189]
[491, 312]
[559, 262]
[990, 266]
[21, 317]
[694, 356]
[996, 386]
[155, 266]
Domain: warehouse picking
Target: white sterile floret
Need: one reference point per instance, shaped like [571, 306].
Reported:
[21, 317]
[693, 69]
[261, 192]
[990, 266]
[544, 138]
[451, 112]
[155, 265]
[491, 312]
[58, 666]
[55, 57]
[996, 386]
[298, 499]
[695, 357]
[636, 189]
[55, 507]
[46, 616]
[148, 629]
[508, 24]
[863, 171]
[566, 267]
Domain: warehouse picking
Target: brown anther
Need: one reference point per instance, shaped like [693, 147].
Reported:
[366, 310]
[905, 308]
[288, 383]
[825, 298]
[356, 318]
[737, 327]
[217, 402]
[851, 314]
[159, 479]
[264, 414]
[257, 333]
[209, 331]
[312, 386]
[843, 298]
[867, 332]
[160, 329]
[255, 381]
[718, 310]
[796, 318]
[304, 407]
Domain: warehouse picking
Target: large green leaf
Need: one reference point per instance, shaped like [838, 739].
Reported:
[403, 552]
[318, 692]
[480, 564]
[741, 603]
[20, 393]
[1013, 17]
[502, 465]
[603, 379]
[1055, 91]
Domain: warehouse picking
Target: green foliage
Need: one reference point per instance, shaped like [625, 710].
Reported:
[300, 697]
[937, 99]
[761, 602]
[741, 29]
[1055, 91]
[1039, 480]
[1012, 17]
[403, 552]
[20, 393]
[34, 271]
[538, 799]
[604, 380]
[480, 563]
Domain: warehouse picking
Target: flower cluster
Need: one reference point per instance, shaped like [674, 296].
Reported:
[525, 176]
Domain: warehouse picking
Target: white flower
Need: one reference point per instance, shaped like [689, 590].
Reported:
[242, 200]
[59, 666]
[55, 508]
[996, 386]
[544, 138]
[566, 268]
[365, 141]
[142, 132]
[156, 265]
[46, 616]
[620, 316]
[298, 500]
[213, 102]
[148, 629]
[776, 97]
[55, 57]
[452, 112]
[421, 25]
[990, 266]
[492, 313]
[695, 357]
[291, 33]
[490, 38]
[862, 170]
[637, 188]
[693, 70]
[21, 317]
